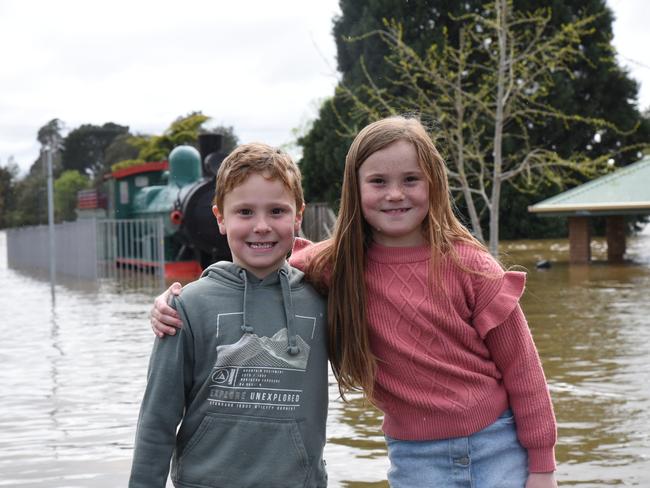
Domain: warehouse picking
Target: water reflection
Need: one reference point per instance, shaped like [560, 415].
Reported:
[73, 376]
[590, 324]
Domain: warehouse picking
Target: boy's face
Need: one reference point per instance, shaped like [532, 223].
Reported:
[259, 218]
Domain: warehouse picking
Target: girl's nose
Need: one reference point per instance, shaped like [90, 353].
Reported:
[395, 193]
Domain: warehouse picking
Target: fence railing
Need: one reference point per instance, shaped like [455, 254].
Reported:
[131, 248]
[93, 249]
[318, 221]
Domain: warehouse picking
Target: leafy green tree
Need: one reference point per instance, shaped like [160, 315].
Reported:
[323, 158]
[326, 144]
[8, 176]
[30, 201]
[593, 87]
[50, 133]
[184, 130]
[120, 149]
[84, 147]
[66, 187]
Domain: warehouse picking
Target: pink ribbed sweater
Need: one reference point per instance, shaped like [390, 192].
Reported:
[454, 352]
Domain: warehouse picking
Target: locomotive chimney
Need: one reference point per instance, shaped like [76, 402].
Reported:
[210, 148]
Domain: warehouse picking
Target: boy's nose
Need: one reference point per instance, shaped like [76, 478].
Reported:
[261, 226]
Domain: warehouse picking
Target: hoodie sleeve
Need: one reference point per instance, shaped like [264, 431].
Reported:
[168, 382]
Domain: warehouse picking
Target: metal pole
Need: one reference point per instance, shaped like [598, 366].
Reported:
[50, 219]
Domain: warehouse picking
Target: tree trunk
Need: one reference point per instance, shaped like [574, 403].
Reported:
[495, 198]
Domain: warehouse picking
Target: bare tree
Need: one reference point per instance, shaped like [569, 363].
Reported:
[486, 89]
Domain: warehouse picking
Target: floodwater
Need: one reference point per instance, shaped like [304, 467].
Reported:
[73, 374]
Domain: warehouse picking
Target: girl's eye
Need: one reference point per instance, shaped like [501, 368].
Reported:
[278, 211]
[245, 211]
[412, 179]
[377, 181]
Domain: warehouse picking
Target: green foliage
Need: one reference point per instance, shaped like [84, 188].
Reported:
[84, 147]
[590, 87]
[119, 150]
[29, 201]
[66, 187]
[7, 178]
[50, 133]
[323, 158]
[127, 163]
[184, 130]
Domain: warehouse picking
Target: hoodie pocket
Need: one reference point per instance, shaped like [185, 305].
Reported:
[230, 450]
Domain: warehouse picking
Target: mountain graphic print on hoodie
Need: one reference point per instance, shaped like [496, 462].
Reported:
[247, 376]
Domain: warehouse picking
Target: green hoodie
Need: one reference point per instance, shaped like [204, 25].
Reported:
[247, 375]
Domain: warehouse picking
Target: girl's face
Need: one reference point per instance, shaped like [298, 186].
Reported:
[394, 195]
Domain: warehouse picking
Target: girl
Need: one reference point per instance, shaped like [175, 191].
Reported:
[436, 338]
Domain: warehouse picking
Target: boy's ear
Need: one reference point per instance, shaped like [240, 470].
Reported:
[220, 221]
[298, 222]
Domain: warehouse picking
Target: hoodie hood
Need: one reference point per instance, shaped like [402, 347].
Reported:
[233, 275]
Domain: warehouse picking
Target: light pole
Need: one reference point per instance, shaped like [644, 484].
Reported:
[50, 218]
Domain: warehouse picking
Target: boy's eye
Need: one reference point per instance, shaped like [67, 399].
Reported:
[245, 211]
[278, 211]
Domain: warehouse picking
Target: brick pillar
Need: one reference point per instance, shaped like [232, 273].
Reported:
[615, 238]
[579, 240]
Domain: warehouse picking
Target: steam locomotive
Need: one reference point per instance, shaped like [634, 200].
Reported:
[180, 191]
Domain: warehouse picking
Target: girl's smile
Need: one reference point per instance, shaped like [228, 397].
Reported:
[394, 195]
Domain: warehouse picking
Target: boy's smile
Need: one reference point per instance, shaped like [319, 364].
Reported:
[260, 220]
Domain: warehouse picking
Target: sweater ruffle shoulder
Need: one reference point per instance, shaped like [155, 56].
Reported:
[496, 292]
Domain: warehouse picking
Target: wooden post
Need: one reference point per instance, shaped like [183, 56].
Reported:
[615, 238]
[579, 240]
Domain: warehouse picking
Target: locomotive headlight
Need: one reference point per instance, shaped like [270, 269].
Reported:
[176, 217]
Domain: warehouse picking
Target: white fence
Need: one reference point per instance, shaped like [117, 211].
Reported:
[92, 249]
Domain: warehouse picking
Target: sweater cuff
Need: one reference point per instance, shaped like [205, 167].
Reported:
[503, 303]
[541, 460]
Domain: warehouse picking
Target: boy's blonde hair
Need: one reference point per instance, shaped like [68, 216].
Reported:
[258, 158]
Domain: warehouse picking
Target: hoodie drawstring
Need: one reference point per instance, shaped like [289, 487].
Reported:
[244, 326]
[292, 347]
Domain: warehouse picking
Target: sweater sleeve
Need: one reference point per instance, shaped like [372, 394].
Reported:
[514, 353]
[168, 381]
[496, 293]
[301, 253]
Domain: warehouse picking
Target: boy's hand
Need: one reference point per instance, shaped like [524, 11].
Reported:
[164, 319]
[541, 480]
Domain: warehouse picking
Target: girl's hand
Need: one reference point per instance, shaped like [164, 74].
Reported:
[164, 319]
[541, 480]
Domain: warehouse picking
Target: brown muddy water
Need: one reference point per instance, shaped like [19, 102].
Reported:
[73, 373]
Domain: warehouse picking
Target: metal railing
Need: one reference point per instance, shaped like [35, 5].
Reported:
[131, 249]
[318, 221]
[93, 249]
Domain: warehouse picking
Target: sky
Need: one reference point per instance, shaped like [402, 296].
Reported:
[260, 66]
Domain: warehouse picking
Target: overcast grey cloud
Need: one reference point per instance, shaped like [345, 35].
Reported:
[259, 66]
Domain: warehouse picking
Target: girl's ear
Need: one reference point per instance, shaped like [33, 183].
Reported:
[298, 222]
[220, 220]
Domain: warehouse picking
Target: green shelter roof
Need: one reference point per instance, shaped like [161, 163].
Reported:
[626, 191]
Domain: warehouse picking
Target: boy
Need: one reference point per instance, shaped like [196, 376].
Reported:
[247, 372]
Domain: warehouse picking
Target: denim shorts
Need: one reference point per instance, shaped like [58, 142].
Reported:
[490, 458]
